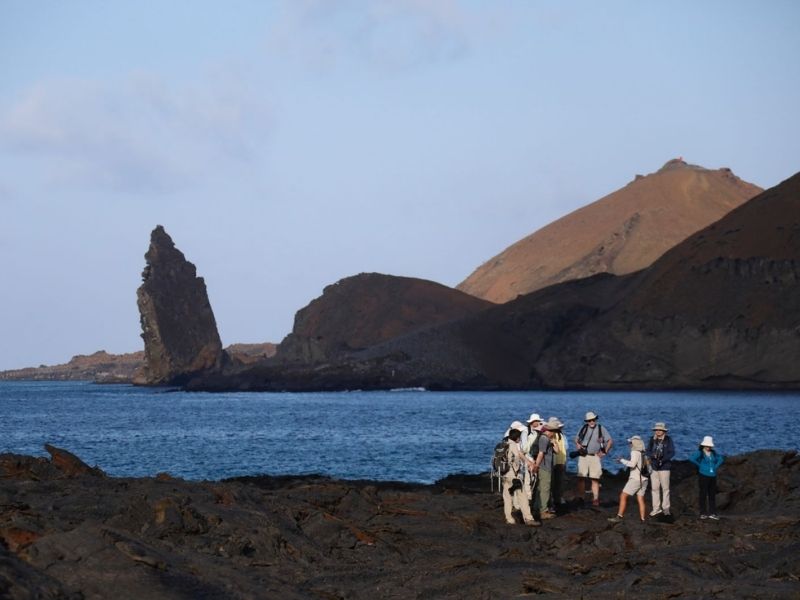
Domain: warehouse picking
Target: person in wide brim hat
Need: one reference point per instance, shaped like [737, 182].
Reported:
[661, 451]
[708, 462]
[592, 443]
[637, 480]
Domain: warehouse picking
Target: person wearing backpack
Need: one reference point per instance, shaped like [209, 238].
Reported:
[637, 480]
[593, 442]
[660, 451]
[513, 493]
[708, 463]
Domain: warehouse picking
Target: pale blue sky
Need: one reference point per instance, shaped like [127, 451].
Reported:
[285, 145]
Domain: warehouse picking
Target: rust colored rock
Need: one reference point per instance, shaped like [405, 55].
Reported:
[621, 233]
[69, 464]
[17, 539]
[178, 326]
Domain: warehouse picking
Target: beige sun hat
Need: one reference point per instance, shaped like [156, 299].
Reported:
[660, 426]
[636, 443]
[590, 416]
[707, 441]
[553, 424]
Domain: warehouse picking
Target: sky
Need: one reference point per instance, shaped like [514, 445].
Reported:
[286, 145]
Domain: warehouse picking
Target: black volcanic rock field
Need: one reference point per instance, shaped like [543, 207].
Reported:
[67, 531]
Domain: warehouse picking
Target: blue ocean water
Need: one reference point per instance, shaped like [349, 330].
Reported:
[415, 436]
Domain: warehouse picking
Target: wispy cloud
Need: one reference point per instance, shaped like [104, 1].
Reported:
[139, 134]
[386, 34]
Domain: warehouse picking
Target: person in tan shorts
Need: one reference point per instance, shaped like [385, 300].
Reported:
[593, 442]
[637, 480]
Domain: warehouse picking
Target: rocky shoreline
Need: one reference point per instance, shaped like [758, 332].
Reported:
[69, 531]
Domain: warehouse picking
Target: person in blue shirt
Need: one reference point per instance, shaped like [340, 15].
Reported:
[708, 462]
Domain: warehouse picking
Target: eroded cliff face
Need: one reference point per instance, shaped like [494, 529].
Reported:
[178, 326]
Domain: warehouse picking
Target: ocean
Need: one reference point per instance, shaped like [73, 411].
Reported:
[404, 435]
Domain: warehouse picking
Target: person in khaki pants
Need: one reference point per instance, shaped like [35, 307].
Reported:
[513, 493]
[661, 451]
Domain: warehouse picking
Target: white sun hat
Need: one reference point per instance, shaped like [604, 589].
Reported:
[707, 441]
[636, 443]
[534, 417]
[518, 426]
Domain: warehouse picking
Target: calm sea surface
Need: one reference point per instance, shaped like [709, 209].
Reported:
[404, 435]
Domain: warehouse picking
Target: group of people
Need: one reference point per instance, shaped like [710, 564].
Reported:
[535, 458]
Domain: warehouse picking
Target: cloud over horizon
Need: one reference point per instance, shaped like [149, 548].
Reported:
[140, 134]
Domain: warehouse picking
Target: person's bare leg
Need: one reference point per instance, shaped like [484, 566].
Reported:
[623, 504]
[642, 506]
[595, 489]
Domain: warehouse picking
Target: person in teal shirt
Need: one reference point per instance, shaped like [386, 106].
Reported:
[708, 463]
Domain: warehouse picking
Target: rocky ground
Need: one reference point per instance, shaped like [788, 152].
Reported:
[69, 531]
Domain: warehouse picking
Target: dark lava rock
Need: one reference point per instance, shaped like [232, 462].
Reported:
[314, 537]
[178, 327]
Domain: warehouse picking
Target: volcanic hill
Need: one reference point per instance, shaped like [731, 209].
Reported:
[621, 233]
[368, 309]
[720, 310]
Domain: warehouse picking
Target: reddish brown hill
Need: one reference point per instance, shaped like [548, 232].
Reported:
[370, 308]
[722, 308]
[620, 233]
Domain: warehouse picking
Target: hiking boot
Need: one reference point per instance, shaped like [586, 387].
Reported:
[656, 511]
[547, 515]
[596, 502]
[713, 517]
[615, 519]
[533, 523]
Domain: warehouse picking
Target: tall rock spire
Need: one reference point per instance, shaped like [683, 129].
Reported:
[178, 326]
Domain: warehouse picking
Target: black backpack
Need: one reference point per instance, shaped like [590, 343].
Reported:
[534, 449]
[500, 464]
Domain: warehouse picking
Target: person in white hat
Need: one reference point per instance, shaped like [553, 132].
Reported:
[661, 451]
[708, 462]
[530, 446]
[637, 480]
[513, 494]
[593, 443]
